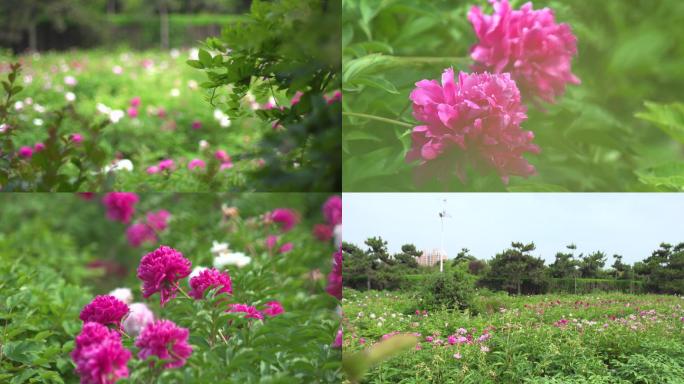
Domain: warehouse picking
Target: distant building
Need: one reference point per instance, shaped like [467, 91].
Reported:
[428, 259]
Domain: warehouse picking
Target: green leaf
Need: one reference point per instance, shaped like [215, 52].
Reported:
[204, 58]
[21, 351]
[668, 117]
[195, 64]
[378, 82]
[369, 63]
[667, 175]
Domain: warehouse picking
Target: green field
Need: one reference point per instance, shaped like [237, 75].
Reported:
[598, 338]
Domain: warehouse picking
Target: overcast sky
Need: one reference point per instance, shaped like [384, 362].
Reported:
[630, 224]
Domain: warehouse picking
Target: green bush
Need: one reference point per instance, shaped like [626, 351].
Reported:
[453, 290]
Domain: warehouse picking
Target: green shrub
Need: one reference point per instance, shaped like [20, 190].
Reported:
[448, 290]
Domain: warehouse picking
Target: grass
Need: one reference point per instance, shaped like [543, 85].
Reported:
[560, 338]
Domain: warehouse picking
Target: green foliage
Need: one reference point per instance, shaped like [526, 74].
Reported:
[664, 269]
[282, 48]
[597, 138]
[516, 271]
[453, 291]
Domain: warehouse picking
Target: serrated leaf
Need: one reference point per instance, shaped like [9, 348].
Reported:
[668, 117]
[667, 175]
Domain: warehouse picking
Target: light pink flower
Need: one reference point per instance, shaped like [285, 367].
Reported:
[138, 318]
[273, 308]
[165, 340]
[529, 45]
[296, 98]
[208, 279]
[457, 355]
[225, 166]
[99, 356]
[250, 311]
[196, 163]
[105, 310]
[472, 122]
[334, 287]
[271, 241]
[160, 271]
[26, 152]
[120, 205]
[153, 169]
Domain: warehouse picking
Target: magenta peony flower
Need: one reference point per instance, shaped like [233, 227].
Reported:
[139, 317]
[140, 233]
[196, 124]
[225, 166]
[196, 163]
[332, 210]
[338, 339]
[250, 311]
[165, 340]
[152, 169]
[160, 271]
[210, 278]
[273, 308]
[222, 156]
[26, 152]
[166, 164]
[474, 121]
[335, 277]
[135, 102]
[528, 44]
[287, 218]
[323, 232]
[120, 205]
[271, 241]
[76, 138]
[105, 310]
[99, 356]
[132, 112]
[296, 98]
[158, 220]
[285, 248]
[37, 147]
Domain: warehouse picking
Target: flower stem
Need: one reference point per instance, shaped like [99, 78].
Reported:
[183, 292]
[378, 118]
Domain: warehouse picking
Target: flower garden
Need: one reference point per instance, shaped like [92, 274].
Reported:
[598, 338]
[241, 279]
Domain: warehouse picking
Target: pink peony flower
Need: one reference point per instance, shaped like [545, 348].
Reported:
[151, 170]
[165, 340]
[76, 138]
[285, 248]
[287, 218]
[160, 271]
[225, 166]
[273, 308]
[138, 318]
[132, 112]
[296, 98]
[158, 220]
[475, 121]
[196, 124]
[338, 339]
[120, 205]
[105, 310]
[99, 356]
[332, 210]
[323, 232]
[451, 339]
[37, 147]
[140, 233]
[135, 102]
[271, 241]
[166, 164]
[161, 112]
[528, 44]
[26, 152]
[222, 156]
[196, 163]
[335, 277]
[210, 278]
[250, 311]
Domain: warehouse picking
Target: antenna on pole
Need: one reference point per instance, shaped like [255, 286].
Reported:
[442, 215]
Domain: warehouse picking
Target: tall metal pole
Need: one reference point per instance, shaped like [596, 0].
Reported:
[441, 245]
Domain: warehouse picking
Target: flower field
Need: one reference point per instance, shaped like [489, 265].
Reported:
[161, 133]
[600, 338]
[168, 288]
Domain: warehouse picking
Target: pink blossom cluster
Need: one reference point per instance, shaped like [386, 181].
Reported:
[285, 218]
[271, 309]
[208, 279]
[164, 165]
[165, 340]
[160, 271]
[332, 211]
[146, 231]
[529, 45]
[334, 287]
[104, 310]
[99, 355]
[273, 240]
[120, 205]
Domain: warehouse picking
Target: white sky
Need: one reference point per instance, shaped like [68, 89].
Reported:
[630, 224]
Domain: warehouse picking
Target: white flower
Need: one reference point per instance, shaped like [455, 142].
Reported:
[70, 81]
[123, 294]
[175, 92]
[28, 79]
[337, 233]
[203, 144]
[116, 115]
[103, 108]
[38, 122]
[192, 84]
[38, 108]
[196, 271]
[194, 54]
[224, 122]
[236, 258]
[70, 96]
[174, 53]
[119, 165]
[28, 101]
[19, 105]
[218, 248]
[138, 318]
[3, 127]
[218, 114]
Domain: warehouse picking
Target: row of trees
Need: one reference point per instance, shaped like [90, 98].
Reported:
[515, 269]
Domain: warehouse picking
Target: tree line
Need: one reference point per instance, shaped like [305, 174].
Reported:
[515, 269]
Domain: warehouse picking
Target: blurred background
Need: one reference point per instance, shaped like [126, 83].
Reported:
[40, 25]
